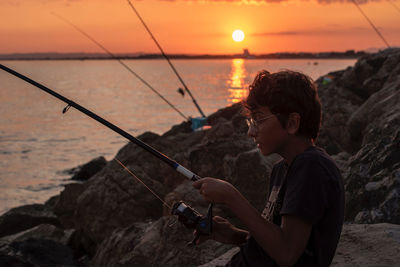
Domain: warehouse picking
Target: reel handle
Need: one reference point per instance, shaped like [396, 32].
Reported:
[204, 226]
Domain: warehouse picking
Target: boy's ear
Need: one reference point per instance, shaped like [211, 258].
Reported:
[293, 123]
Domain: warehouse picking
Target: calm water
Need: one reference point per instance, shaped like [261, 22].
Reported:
[37, 141]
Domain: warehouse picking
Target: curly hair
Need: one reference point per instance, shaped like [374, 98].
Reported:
[287, 92]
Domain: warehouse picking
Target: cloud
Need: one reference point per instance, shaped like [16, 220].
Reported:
[313, 32]
[256, 2]
[21, 2]
[246, 2]
[346, 1]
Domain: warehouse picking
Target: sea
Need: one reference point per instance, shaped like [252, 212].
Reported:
[38, 142]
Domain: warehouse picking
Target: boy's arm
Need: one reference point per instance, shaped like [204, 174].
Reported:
[284, 243]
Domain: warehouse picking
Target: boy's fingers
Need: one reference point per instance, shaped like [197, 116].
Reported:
[218, 219]
[198, 184]
[201, 238]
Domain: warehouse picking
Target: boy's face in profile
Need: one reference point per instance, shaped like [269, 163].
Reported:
[267, 131]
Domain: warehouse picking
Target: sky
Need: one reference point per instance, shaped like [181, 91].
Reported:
[197, 27]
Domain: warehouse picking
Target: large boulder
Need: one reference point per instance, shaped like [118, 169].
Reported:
[338, 104]
[253, 185]
[159, 243]
[368, 245]
[66, 204]
[114, 199]
[25, 217]
[43, 245]
[361, 119]
[373, 181]
[346, 91]
[89, 169]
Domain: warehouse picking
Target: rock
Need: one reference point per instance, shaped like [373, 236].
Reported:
[160, 243]
[89, 169]
[359, 245]
[65, 208]
[380, 111]
[342, 161]
[373, 183]
[370, 70]
[207, 159]
[223, 259]
[361, 119]
[222, 130]
[66, 204]
[227, 113]
[140, 159]
[25, 217]
[184, 127]
[348, 91]
[42, 231]
[239, 124]
[37, 252]
[11, 261]
[114, 199]
[253, 185]
[118, 245]
[43, 245]
[338, 104]
[52, 202]
[368, 245]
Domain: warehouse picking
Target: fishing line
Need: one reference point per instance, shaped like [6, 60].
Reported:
[394, 5]
[121, 62]
[137, 178]
[167, 58]
[370, 22]
[179, 168]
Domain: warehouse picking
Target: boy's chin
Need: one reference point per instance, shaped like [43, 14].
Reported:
[265, 152]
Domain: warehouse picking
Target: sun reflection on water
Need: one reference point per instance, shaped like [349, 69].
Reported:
[237, 86]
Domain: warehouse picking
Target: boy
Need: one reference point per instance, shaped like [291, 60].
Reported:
[303, 218]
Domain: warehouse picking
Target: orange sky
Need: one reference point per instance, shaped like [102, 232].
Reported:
[196, 27]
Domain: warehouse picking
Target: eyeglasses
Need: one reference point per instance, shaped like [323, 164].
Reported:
[255, 123]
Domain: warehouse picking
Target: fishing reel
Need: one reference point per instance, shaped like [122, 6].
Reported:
[192, 219]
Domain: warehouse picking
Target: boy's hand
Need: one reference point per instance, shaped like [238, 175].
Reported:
[216, 190]
[224, 232]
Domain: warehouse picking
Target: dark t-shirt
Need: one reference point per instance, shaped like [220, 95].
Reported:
[311, 188]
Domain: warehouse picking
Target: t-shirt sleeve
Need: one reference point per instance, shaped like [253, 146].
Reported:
[306, 190]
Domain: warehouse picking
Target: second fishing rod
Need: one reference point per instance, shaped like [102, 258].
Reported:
[187, 215]
[167, 58]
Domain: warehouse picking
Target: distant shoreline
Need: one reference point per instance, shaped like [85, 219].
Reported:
[351, 54]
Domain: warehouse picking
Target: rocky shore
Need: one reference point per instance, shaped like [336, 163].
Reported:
[107, 218]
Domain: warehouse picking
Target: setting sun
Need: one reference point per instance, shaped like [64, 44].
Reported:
[238, 35]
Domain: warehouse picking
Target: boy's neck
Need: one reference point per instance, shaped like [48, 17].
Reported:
[295, 146]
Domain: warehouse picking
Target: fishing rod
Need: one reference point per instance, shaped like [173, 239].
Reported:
[186, 214]
[121, 62]
[370, 23]
[179, 168]
[167, 58]
[394, 5]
